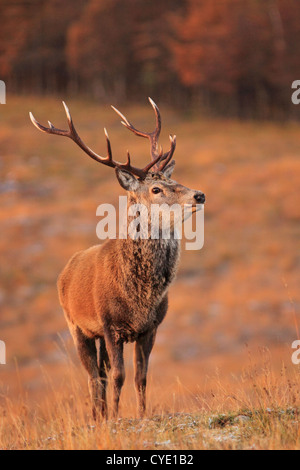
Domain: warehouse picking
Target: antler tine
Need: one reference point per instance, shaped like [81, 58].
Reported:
[49, 130]
[157, 157]
[152, 136]
[108, 160]
[165, 159]
[157, 116]
[71, 133]
[109, 152]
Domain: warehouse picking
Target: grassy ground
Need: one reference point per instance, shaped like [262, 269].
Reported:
[184, 431]
[265, 416]
[225, 346]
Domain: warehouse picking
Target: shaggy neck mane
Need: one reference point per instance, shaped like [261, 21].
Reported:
[148, 266]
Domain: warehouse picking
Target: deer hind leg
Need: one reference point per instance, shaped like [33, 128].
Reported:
[142, 350]
[86, 348]
[104, 367]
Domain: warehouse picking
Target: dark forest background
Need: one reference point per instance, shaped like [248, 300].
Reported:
[229, 57]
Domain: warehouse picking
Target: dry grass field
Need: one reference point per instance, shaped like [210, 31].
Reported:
[221, 375]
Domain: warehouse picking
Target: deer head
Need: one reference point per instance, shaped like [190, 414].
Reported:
[149, 185]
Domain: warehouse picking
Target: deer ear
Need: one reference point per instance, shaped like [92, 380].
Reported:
[169, 169]
[127, 180]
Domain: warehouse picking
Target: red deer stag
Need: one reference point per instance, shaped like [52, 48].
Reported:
[117, 292]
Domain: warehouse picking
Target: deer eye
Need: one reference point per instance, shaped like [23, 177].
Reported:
[156, 190]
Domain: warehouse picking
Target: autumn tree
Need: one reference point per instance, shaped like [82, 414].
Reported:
[235, 57]
[119, 48]
[33, 36]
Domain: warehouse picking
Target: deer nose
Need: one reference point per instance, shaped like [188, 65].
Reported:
[200, 198]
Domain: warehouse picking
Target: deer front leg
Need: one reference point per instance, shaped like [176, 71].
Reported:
[142, 350]
[104, 367]
[115, 354]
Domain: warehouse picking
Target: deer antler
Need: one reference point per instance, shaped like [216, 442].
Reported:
[108, 160]
[153, 137]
